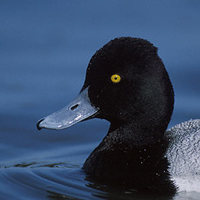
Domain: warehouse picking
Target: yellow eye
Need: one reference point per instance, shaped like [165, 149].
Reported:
[115, 78]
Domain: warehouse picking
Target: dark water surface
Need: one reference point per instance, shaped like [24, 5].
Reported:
[45, 47]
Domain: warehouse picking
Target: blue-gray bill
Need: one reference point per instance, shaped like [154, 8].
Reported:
[78, 110]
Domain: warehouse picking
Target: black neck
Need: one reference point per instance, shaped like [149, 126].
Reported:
[131, 159]
[135, 134]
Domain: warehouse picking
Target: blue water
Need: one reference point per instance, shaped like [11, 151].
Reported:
[45, 47]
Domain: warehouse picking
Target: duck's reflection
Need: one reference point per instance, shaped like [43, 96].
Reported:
[118, 192]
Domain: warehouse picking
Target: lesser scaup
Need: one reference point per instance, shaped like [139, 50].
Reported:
[128, 85]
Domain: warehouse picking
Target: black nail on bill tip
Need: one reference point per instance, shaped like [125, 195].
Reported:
[38, 124]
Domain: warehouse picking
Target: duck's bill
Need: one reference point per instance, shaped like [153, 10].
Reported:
[78, 110]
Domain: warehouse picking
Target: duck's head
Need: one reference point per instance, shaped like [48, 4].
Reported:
[126, 83]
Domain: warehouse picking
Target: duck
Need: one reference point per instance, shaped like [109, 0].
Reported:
[127, 84]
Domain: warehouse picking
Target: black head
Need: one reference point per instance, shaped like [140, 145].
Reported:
[126, 83]
[144, 95]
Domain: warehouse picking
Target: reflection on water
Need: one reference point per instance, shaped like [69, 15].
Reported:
[64, 181]
[60, 181]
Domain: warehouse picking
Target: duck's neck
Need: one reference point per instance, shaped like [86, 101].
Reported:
[135, 135]
[131, 157]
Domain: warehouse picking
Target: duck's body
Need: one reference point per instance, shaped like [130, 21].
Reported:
[183, 154]
[127, 84]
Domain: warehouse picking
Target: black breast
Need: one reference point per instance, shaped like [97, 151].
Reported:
[144, 168]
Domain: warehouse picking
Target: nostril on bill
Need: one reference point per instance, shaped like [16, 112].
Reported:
[74, 107]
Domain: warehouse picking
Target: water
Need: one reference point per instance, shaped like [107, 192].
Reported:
[45, 47]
